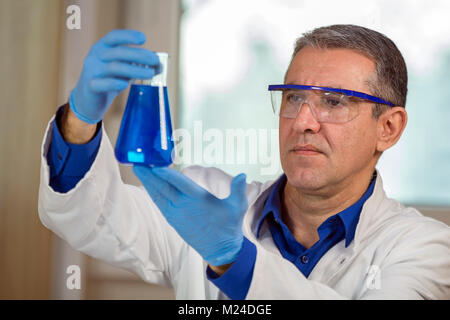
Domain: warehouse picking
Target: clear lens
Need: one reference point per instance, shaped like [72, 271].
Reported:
[275, 97]
[325, 106]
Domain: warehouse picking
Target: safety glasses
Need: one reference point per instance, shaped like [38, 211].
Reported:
[327, 104]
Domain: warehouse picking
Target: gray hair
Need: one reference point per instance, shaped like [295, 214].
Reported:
[391, 77]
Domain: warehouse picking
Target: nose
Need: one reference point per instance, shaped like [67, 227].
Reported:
[305, 121]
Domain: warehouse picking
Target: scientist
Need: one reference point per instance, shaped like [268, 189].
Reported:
[324, 229]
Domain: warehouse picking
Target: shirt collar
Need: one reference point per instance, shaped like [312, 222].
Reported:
[349, 216]
[273, 202]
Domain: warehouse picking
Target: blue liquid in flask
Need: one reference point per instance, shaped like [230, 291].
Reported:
[146, 129]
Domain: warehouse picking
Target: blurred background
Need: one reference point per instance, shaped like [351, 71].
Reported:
[223, 54]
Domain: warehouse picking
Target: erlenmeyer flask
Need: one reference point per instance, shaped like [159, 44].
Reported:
[146, 128]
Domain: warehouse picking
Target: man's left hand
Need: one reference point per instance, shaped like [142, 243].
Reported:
[212, 226]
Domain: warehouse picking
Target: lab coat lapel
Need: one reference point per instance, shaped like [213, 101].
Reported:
[372, 214]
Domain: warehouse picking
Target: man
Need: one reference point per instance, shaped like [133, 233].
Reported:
[324, 230]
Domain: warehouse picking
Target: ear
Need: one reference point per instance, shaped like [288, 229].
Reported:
[390, 127]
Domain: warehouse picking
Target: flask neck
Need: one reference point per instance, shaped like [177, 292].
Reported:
[160, 79]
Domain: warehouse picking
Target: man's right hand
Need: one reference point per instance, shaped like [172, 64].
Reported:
[108, 68]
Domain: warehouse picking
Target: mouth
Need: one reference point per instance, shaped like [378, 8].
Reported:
[306, 150]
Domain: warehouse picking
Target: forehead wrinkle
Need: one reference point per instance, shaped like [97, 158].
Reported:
[313, 85]
[370, 83]
[320, 68]
[316, 83]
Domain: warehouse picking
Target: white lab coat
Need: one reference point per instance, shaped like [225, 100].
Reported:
[397, 253]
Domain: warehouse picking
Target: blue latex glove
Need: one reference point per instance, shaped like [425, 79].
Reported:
[108, 67]
[212, 226]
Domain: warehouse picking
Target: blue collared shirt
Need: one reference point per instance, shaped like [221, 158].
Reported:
[70, 162]
[235, 282]
[336, 228]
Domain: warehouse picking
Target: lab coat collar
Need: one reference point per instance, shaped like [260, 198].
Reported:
[348, 216]
[372, 211]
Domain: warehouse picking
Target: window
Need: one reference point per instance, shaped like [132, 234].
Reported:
[231, 51]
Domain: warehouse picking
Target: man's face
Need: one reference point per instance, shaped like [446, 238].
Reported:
[344, 149]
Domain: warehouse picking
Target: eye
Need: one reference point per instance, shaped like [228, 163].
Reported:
[293, 97]
[334, 101]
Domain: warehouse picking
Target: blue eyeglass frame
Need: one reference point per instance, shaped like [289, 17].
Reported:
[349, 93]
